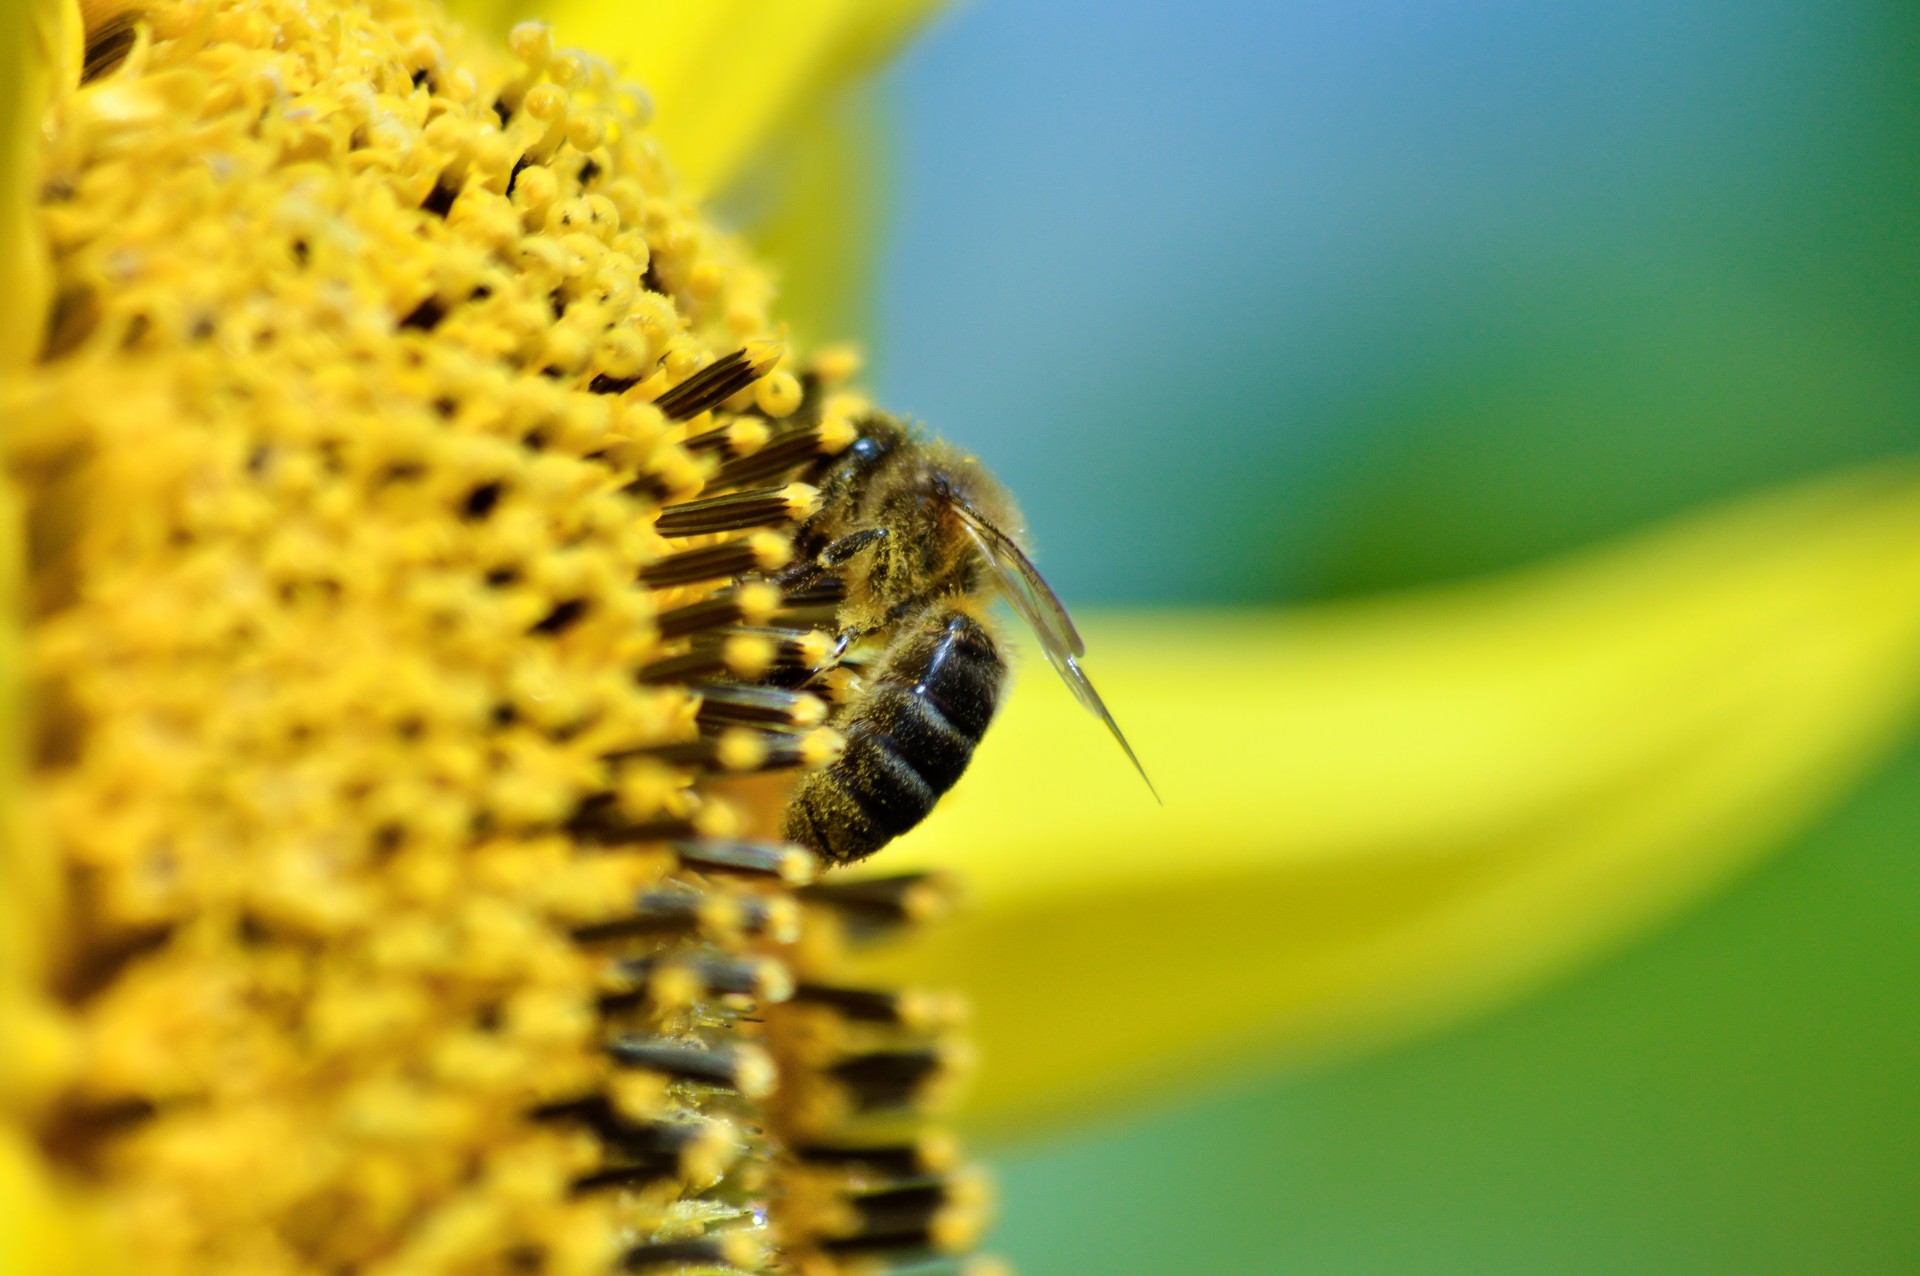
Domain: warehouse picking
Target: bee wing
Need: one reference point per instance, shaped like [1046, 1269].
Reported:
[1024, 588]
[1028, 593]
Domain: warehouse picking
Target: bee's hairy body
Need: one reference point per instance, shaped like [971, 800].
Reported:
[910, 733]
[888, 529]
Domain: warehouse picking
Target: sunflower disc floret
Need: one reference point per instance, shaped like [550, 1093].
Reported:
[388, 654]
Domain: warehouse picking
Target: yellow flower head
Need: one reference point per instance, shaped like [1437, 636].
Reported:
[380, 639]
[391, 881]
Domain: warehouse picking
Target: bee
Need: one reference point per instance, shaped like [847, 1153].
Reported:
[911, 541]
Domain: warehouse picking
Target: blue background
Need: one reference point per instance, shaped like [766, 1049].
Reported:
[1264, 301]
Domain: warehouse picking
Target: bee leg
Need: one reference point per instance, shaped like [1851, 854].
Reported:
[847, 546]
[893, 617]
[800, 575]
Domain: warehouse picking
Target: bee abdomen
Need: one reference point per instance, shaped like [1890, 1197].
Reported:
[908, 738]
[958, 676]
[909, 723]
[882, 780]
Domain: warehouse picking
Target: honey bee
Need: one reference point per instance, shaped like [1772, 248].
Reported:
[911, 542]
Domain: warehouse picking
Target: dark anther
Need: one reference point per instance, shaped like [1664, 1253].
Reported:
[140, 325]
[604, 384]
[633, 1174]
[440, 199]
[893, 1252]
[889, 1069]
[709, 562]
[588, 171]
[108, 46]
[519, 165]
[70, 319]
[611, 384]
[423, 79]
[867, 1004]
[502, 110]
[481, 500]
[679, 1060]
[704, 1252]
[300, 252]
[706, 613]
[425, 316]
[296, 591]
[897, 1160]
[755, 859]
[732, 512]
[871, 907]
[648, 487]
[706, 388]
[723, 704]
[788, 451]
[562, 616]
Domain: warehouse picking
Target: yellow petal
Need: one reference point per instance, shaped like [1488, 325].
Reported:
[39, 49]
[821, 216]
[32, 1236]
[28, 878]
[1383, 816]
[728, 75]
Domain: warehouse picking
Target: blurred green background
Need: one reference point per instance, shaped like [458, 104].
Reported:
[1737, 1096]
[1268, 303]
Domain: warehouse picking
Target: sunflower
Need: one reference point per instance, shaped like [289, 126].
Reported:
[389, 886]
[395, 466]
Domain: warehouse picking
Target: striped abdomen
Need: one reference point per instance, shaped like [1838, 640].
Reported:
[909, 736]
